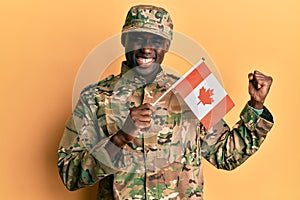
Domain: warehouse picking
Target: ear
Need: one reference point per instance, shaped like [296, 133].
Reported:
[167, 45]
[123, 39]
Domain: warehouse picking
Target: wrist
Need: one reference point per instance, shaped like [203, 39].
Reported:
[129, 129]
[256, 104]
[121, 138]
[126, 134]
[115, 144]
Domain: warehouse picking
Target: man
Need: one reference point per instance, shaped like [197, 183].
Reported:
[139, 151]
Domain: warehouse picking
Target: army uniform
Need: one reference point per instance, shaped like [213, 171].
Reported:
[164, 160]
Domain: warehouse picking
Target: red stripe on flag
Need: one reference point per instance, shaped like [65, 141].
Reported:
[217, 113]
[192, 80]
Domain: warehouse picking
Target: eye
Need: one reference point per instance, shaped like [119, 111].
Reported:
[137, 40]
[158, 42]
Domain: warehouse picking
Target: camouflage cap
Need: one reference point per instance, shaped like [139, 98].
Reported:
[148, 18]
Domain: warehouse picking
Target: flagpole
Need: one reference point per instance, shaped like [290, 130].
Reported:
[178, 81]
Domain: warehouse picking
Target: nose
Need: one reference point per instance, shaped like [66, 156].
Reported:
[148, 45]
[147, 50]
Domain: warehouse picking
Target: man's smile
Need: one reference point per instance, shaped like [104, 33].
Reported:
[144, 62]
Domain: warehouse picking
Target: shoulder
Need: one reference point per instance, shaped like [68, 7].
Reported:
[105, 85]
[171, 78]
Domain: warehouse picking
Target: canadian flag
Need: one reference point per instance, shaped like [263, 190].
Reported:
[203, 94]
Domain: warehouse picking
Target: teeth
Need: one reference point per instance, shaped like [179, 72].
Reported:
[145, 60]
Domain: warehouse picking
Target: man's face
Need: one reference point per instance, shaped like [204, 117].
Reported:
[145, 52]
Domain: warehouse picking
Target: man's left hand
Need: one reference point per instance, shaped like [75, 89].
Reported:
[259, 86]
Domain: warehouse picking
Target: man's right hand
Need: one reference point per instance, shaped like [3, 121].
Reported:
[138, 118]
[141, 116]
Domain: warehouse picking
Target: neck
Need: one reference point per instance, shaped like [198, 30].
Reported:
[150, 77]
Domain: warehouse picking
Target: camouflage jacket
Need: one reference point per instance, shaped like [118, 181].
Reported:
[163, 161]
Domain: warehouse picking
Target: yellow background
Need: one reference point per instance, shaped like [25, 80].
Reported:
[43, 44]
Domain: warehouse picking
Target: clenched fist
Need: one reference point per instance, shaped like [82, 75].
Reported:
[259, 86]
[141, 115]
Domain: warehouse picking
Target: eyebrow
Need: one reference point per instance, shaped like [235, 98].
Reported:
[156, 37]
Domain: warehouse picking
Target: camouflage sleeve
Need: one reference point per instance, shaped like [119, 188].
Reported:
[83, 159]
[227, 149]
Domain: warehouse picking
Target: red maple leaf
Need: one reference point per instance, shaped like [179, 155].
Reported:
[205, 96]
